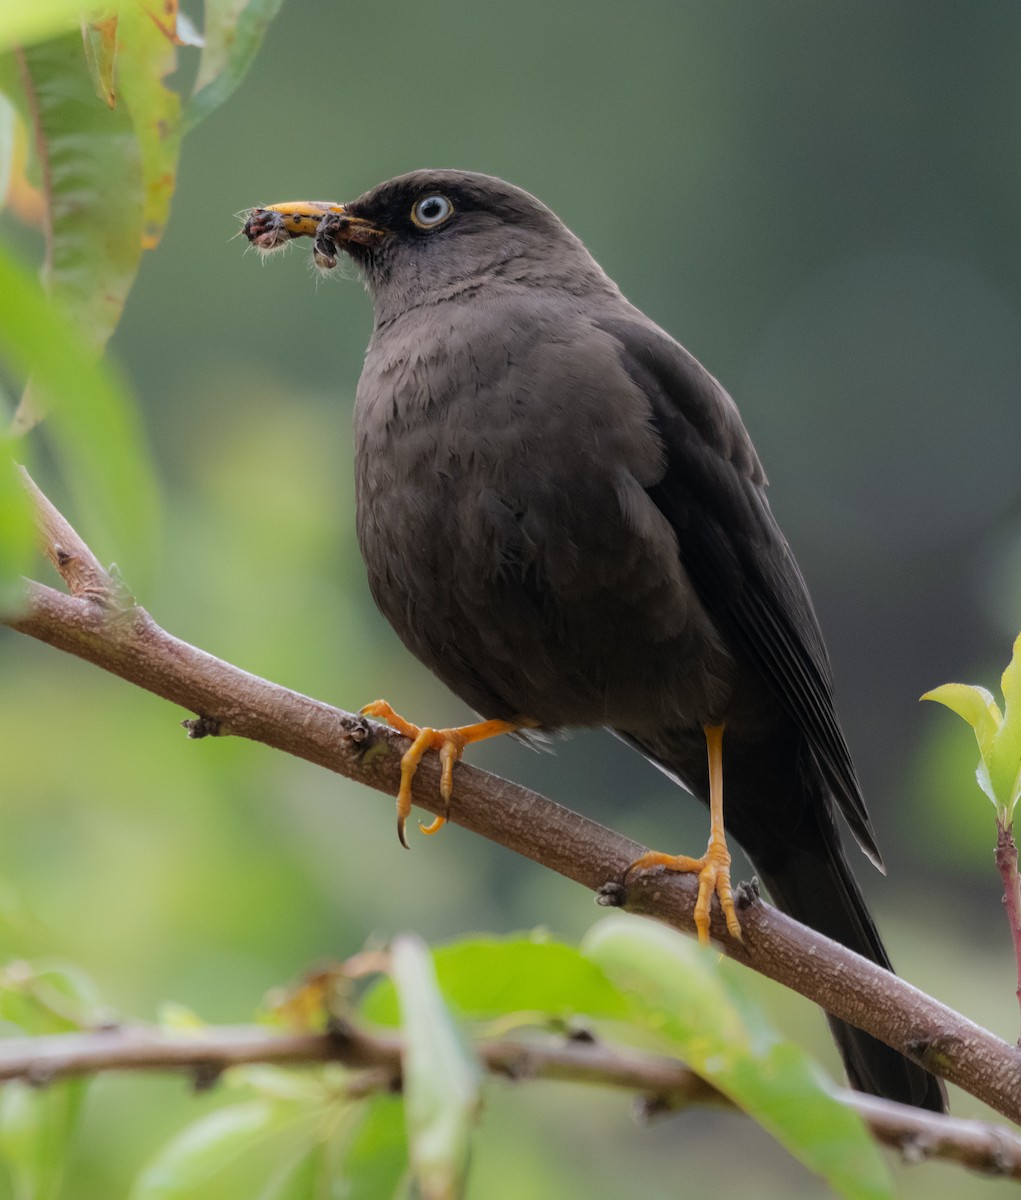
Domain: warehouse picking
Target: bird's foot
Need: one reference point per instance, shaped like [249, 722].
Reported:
[713, 870]
[449, 743]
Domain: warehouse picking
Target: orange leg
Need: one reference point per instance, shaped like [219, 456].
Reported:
[713, 868]
[449, 742]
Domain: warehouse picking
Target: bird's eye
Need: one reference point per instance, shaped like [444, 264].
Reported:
[431, 211]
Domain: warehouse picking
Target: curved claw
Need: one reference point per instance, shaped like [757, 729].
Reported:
[450, 744]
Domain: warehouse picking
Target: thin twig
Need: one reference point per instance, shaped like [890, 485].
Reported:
[98, 623]
[1006, 864]
[664, 1084]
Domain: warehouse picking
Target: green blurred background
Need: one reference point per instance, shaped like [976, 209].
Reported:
[821, 201]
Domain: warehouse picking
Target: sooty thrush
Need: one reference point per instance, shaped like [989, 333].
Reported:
[563, 516]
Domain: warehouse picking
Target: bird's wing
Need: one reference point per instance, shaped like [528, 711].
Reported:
[713, 494]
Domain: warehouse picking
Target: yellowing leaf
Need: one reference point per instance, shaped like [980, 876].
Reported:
[147, 54]
[1004, 759]
[974, 704]
[998, 734]
[24, 23]
[99, 39]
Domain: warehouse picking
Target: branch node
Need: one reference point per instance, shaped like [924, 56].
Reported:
[341, 1033]
[934, 1053]
[359, 734]
[650, 1106]
[119, 595]
[40, 1075]
[747, 893]
[612, 894]
[201, 727]
[206, 1075]
[516, 1068]
[581, 1036]
[1000, 1160]
[915, 1148]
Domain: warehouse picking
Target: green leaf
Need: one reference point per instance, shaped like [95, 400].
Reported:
[486, 978]
[679, 993]
[1004, 757]
[228, 1147]
[17, 531]
[23, 23]
[286, 1143]
[311, 1174]
[94, 187]
[94, 432]
[49, 996]
[281, 1083]
[376, 1160]
[234, 30]
[442, 1078]
[178, 1018]
[36, 1127]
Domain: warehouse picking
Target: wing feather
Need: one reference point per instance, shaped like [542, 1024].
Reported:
[713, 494]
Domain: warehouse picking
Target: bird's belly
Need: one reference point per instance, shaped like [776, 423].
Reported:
[529, 604]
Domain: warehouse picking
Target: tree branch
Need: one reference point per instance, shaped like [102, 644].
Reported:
[665, 1084]
[101, 624]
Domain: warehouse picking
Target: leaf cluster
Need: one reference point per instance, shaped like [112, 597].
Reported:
[288, 1133]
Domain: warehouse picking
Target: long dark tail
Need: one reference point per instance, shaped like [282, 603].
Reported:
[778, 808]
[817, 888]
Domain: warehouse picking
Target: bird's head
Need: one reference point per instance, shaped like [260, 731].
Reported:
[435, 235]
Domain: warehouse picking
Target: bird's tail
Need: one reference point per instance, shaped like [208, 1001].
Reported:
[819, 890]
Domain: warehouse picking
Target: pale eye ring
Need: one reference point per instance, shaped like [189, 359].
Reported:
[431, 211]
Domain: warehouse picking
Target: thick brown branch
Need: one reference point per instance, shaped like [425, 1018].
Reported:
[664, 1083]
[99, 624]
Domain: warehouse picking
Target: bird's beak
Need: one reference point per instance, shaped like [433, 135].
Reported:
[274, 225]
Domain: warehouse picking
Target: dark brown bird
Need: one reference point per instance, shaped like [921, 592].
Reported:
[563, 516]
